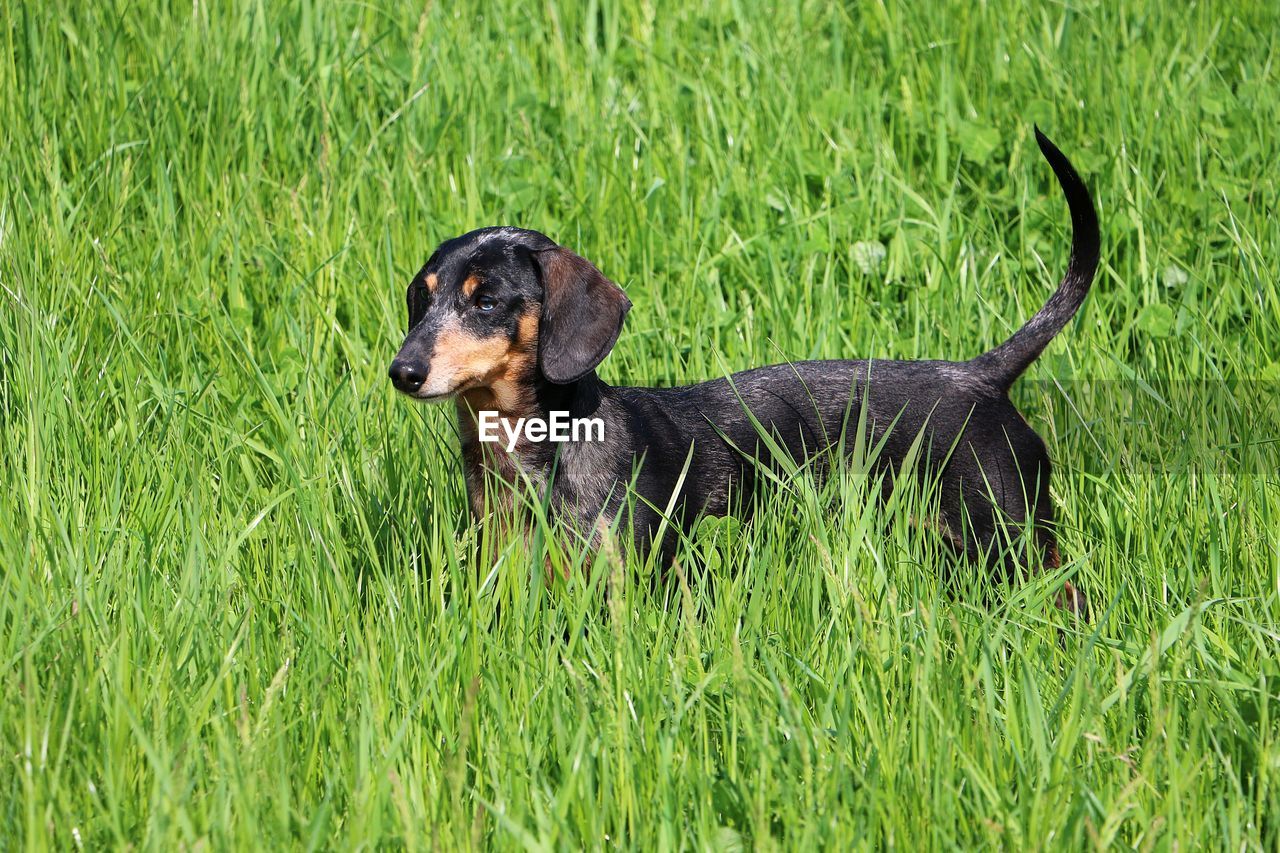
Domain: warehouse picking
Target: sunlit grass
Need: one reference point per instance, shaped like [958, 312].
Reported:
[240, 600]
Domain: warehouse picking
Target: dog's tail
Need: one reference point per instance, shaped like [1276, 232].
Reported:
[1002, 365]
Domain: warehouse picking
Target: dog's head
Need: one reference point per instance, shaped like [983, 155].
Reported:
[499, 306]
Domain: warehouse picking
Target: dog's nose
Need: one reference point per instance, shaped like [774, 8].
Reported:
[406, 376]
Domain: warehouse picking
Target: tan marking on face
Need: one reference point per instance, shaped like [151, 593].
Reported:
[510, 388]
[506, 388]
[469, 285]
[462, 361]
[527, 331]
[432, 281]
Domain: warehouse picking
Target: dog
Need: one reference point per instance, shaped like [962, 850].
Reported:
[509, 325]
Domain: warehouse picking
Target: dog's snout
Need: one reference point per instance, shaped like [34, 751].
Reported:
[406, 376]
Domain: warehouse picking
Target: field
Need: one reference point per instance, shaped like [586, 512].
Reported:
[240, 599]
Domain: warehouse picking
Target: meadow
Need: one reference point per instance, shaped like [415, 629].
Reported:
[241, 604]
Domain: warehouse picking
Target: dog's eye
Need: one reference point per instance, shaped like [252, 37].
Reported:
[486, 303]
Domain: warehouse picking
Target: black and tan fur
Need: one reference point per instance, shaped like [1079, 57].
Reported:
[504, 319]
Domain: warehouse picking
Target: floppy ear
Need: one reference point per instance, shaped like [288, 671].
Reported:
[582, 315]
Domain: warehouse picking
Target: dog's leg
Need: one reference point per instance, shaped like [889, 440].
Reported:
[1069, 597]
[1036, 469]
[993, 521]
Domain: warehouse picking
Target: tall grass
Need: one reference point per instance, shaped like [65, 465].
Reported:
[240, 603]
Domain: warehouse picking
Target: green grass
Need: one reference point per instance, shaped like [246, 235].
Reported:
[239, 603]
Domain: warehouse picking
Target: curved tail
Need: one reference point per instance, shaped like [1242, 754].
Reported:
[1002, 365]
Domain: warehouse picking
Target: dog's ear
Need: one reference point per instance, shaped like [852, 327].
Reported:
[582, 315]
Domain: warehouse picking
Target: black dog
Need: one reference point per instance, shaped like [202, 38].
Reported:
[503, 320]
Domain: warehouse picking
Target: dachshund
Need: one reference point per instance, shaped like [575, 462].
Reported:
[511, 327]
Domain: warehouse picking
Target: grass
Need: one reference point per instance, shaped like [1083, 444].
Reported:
[239, 605]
